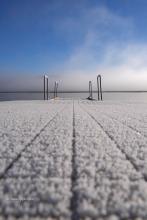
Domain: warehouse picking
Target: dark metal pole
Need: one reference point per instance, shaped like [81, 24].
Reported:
[45, 82]
[44, 87]
[47, 88]
[89, 89]
[56, 89]
[99, 87]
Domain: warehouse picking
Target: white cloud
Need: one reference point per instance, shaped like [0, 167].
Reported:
[98, 29]
[122, 62]
[123, 68]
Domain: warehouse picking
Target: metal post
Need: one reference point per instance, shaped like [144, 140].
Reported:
[99, 87]
[90, 90]
[47, 88]
[98, 90]
[44, 87]
[45, 80]
[56, 89]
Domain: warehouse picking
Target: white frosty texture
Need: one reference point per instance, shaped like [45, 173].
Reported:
[127, 134]
[108, 185]
[39, 182]
[94, 170]
[19, 123]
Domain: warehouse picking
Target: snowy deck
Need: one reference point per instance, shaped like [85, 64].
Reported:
[73, 160]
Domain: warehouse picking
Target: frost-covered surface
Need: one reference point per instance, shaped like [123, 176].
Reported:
[126, 133]
[36, 184]
[108, 185]
[73, 160]
[19, 123]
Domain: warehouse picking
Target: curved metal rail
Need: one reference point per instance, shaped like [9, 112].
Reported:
[99, 87]
[45, 81]
[90, 90]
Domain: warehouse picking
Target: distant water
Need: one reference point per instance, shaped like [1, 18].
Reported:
[109, 96]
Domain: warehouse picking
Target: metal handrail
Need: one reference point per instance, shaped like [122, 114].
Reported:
[99, 87]
[45, 82]
[90, 90]
[55, 89]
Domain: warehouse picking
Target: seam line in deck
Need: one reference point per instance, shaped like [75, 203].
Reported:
[73, 201]
[137, 119]
[11, 164]
[128, 126]
[113, 140]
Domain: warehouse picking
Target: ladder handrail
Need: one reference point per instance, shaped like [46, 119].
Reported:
[90, 90]
[55, 89]
[99, 87]
[45, 82]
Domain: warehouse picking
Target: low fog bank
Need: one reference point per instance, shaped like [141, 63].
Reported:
[111, 81]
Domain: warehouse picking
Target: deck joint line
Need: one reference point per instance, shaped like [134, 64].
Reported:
[126, 125]
[11, 164]
[113, 140]
[73, 201]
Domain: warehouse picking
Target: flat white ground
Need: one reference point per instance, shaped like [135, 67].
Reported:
[73, 160]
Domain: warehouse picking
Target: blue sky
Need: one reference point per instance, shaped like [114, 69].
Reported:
[73, 41]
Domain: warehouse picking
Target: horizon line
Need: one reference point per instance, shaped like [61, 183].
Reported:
[72, 91]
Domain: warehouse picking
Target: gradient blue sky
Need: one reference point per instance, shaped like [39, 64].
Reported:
[73, 41]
